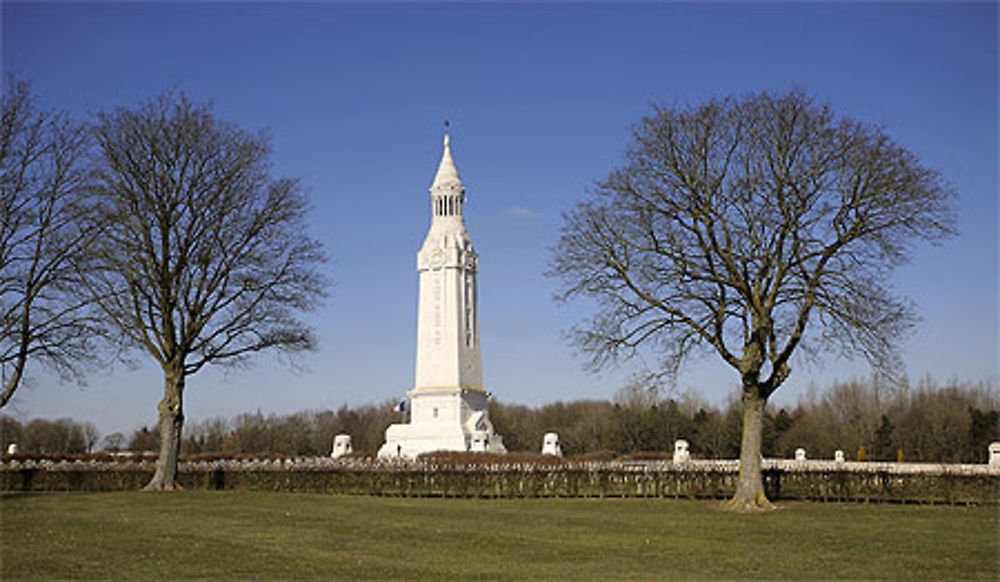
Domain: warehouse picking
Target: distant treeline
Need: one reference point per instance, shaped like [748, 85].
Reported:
[63, 435]
[953, 422]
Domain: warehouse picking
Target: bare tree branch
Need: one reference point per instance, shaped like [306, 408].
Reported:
[42, 205]
[753, 227]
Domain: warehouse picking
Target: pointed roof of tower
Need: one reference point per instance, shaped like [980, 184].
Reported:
[447, 174]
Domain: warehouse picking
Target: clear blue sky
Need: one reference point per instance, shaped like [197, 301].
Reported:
[540, 98]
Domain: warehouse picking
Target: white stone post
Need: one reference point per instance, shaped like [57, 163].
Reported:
[12, 449]
[995, 454]
[550, 445]
[838, 456]
[800, 454]
[341, 446]
[681, 453]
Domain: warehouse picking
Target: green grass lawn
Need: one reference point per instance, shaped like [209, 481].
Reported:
[226, 535]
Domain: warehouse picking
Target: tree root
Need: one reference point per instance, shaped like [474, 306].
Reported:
[154, 486]
[739, 504]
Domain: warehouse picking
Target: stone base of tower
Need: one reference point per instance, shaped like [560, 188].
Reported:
[443, 419]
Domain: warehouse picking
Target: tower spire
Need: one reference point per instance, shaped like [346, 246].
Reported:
[446, 181]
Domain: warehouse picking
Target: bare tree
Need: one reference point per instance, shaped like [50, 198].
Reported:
[203, 256]
[756, 229]
[90, 436]
[42, 190]
[114, 442]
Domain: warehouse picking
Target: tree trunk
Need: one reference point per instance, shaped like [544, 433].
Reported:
[171, 424]
[12, 383]
[749, 494]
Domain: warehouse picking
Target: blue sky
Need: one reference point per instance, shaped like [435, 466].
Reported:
[540, 98]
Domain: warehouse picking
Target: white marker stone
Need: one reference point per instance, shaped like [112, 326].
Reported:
[681, 452]
[342, 446]
[550, 444]
[994, 454]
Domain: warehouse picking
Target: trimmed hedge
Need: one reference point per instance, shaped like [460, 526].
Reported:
[819, 481]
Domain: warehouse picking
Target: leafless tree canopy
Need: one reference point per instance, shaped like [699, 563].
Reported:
[749, 227]
[42, 192]
[203, 257]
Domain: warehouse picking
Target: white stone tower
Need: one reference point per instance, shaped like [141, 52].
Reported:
[448, 405]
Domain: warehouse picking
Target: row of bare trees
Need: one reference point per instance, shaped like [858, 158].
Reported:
[952, 422]
[60, 436]
[308, 433]
[157, 229]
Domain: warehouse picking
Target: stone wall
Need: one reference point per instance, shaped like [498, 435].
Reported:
[806, 480]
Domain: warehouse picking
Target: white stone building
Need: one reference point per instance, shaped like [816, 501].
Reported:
[448, 405]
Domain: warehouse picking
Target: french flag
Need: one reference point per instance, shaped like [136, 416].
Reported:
[401, 407]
